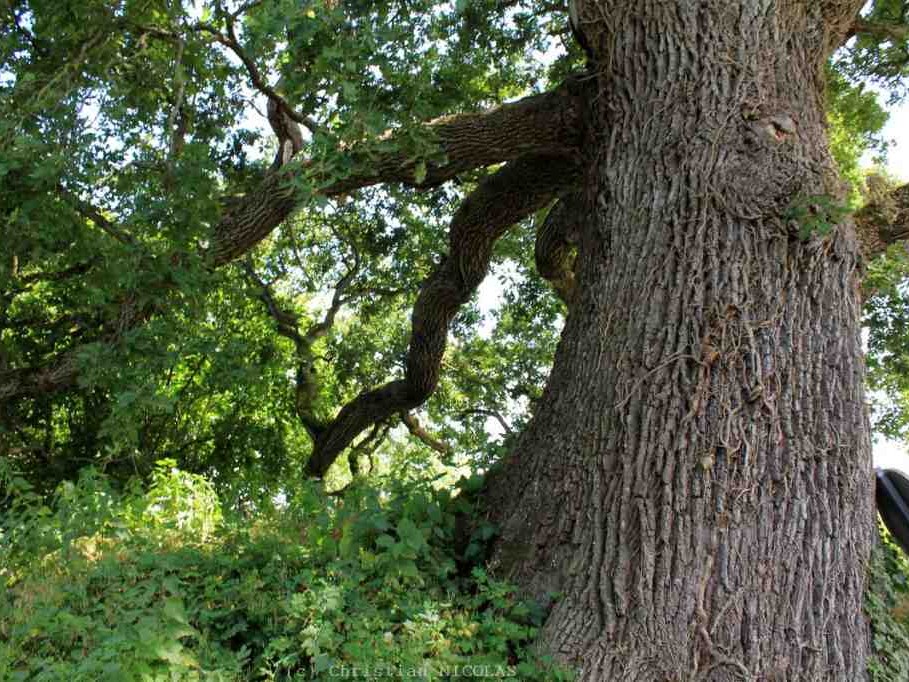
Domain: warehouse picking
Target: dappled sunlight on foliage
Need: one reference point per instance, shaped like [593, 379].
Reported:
[236, 235]
[101, 584]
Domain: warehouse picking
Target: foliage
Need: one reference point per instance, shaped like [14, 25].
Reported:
[155, 522]
[134, 110]
[887, 605]
[160, 585]
[882, 57]
[816, 215]
[856, 119]
[888, 342]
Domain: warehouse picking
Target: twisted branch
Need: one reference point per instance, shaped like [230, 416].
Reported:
[556, 245]
[883, 222]
[520, 188]
[541, 124]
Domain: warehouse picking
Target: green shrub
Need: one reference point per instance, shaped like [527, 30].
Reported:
[160, 584]
[887, 606]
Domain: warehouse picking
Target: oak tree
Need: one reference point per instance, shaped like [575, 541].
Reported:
[691, 497]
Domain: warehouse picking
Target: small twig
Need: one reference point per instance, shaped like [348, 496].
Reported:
[244, 8]
[483, 412]
[86, 210]
[286, 321]
[230, 41]
[416, 429]
[73, 271]
[320, 329]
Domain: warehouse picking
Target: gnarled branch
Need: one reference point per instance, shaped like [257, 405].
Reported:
[501, 200]
[555, 247]
[30, 382]
[883, 222]
[896, 33]
[541, 124]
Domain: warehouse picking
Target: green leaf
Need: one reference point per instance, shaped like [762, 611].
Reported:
[419, 173]
[385, 541]
[410, 534]
[174, 609]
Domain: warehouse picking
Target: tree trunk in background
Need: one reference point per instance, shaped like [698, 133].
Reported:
[695, 484]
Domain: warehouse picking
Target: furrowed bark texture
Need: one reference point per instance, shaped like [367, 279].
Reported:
[884, 221]
[554, 250]
[695, 483]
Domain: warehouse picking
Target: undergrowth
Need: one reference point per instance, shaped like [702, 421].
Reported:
[887, 606]
[161, 584]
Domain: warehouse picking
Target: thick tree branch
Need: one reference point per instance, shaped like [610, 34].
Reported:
[883, 222]
[30, 382]
[840, 17]
[541, 124]
[522, 187]
[244, 8]
[555, 247]
[896, 33]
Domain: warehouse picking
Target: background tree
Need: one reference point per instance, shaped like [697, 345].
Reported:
[695, 478]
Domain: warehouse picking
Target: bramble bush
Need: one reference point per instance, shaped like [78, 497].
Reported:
[887, 606]
[159, 583]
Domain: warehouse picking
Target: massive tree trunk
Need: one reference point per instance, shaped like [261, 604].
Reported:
[695, 484]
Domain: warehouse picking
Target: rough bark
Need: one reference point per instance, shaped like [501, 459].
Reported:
[695, 483]
[881, 31]
[555, 248]
[539, 124]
